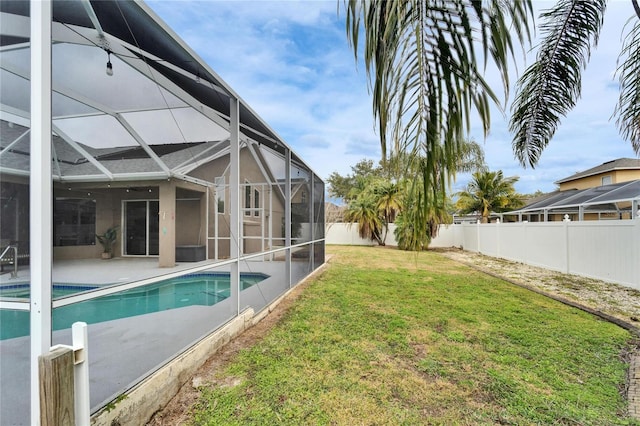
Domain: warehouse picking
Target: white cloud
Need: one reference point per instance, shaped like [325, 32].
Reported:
[290, 61]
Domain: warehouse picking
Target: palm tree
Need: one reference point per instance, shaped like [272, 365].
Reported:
[364, 211]
[489, 192]
[551, 86]
[422, 60]
[388, 197]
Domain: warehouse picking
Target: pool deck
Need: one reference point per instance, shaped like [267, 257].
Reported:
[101, 272]
[122, 351]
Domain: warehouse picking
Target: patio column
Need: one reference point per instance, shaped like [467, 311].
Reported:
[167, 225]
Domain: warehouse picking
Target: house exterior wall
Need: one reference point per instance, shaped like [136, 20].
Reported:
[189, 223]
[626, 175]
[617, 176]
[187, 217]
[271, 206]
[107, 215]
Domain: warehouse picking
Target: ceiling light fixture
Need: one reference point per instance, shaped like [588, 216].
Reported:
[109, 66]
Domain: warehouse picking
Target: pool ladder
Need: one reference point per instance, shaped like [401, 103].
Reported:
[14, 273]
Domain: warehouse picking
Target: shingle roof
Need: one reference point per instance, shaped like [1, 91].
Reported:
[619, 164]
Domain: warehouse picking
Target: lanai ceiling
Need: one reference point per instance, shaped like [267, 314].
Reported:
[162, 106]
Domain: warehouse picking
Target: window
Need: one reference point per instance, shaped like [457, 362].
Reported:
[220, 193]
[251, 200]
[606, 180]
[303, 197]
[256, 202]
[247, 200]
[74, 222]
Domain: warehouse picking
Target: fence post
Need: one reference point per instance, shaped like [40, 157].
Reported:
[56, 387]
[636, 251]
[81, 402]
[478, 234]
[567, 249]
[81, 370]
[498, 237]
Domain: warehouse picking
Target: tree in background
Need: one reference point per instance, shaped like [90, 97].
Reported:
[364, 211]
[489, 192]
[416, 213]
[389, 200]
[424, 211]
[348, 187]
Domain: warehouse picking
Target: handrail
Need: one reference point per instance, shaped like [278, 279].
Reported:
[14, 274]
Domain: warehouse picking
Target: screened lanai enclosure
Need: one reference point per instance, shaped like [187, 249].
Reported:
[618, 201]
[110, 123]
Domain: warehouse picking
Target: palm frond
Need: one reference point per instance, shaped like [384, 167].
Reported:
[471, 157]
[421, 59]
[628, 106]
[550, 87]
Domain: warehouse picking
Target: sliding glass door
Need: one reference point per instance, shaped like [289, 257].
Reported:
[141, 228]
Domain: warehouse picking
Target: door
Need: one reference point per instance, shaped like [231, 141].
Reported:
[141, 228]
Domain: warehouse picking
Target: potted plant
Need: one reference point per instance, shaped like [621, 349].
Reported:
[107, 239]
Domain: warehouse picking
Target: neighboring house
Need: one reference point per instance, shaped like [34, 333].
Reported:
[610, 191]
[614, 171]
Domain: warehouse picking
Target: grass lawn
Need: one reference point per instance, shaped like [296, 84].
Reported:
[390, 337]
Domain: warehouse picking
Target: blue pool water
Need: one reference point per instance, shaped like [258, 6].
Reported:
[21, 291]
[197, 289]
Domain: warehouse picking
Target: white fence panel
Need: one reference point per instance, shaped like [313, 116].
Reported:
[469, 237]
[446, 237]
[546, 244]
[458, 236]
[512, 238]
[345, 234]
[488, 239]
[604, 250]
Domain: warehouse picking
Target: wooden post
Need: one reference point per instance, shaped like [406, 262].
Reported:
[56, 387]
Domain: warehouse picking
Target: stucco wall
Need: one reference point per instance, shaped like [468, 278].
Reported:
[271, 203]
[188, 223]
[617, 176]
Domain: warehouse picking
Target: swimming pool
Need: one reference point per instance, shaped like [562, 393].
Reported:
[204, 289]
[21, 291]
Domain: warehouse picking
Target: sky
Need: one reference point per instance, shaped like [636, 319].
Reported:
[291, 62]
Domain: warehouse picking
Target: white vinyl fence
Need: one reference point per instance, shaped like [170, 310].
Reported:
[606, 250]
